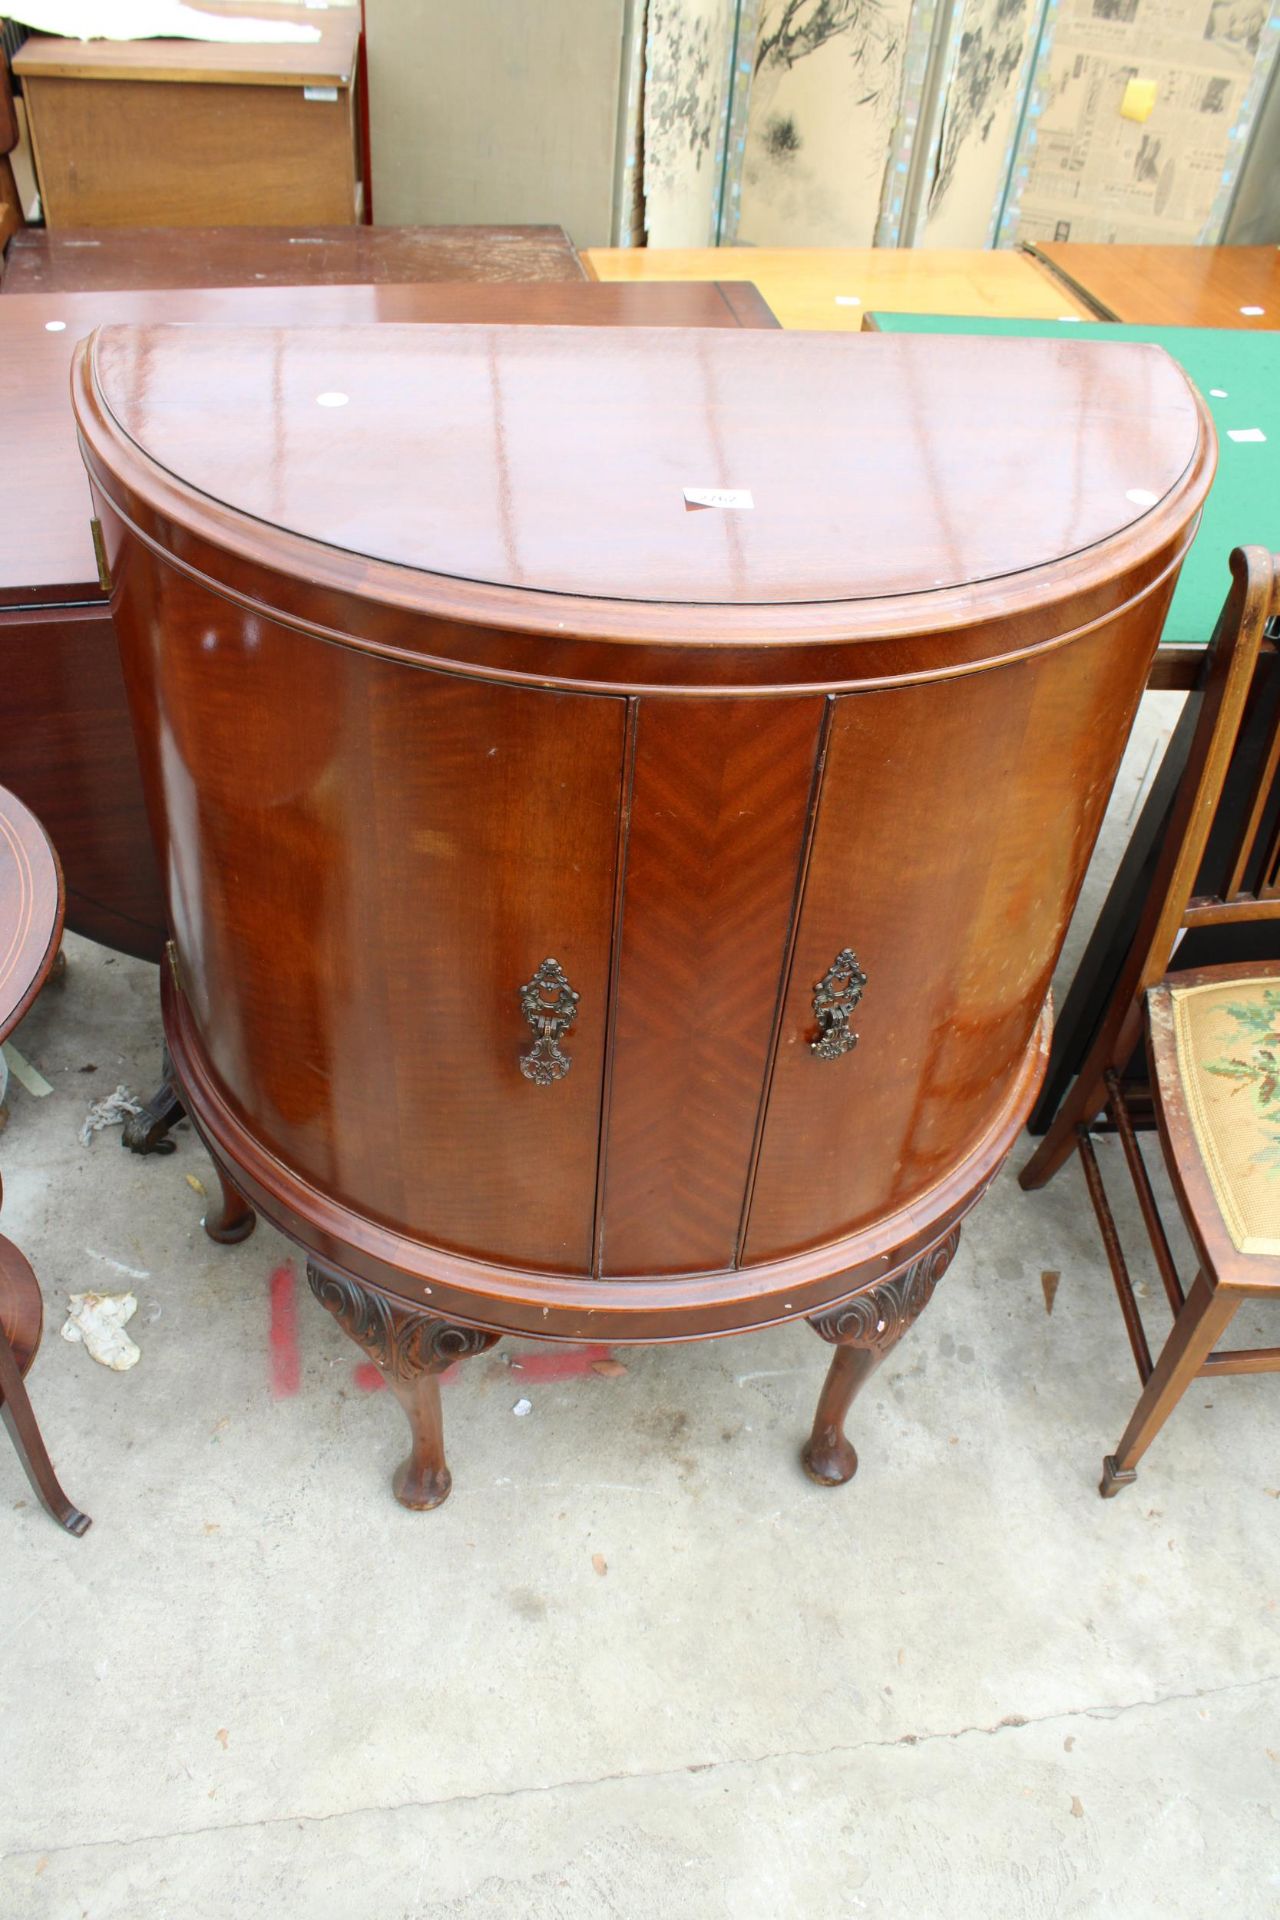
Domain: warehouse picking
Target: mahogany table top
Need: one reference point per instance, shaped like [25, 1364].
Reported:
[93, 260]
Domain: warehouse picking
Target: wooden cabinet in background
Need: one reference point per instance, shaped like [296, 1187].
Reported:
[190, 133]
[622, 796]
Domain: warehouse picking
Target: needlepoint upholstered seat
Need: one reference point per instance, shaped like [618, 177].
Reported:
[1226, 1043]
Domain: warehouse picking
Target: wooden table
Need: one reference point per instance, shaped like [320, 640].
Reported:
[1170, 286]
[188, 133]
[65, 741]
[81, 261]
[831, 287]
[31, 905]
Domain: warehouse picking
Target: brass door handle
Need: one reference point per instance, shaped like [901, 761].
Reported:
[550, 1005]
[834, 999]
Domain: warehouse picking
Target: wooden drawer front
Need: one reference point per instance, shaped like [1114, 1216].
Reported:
[358, 896]
[951, 874]
[719, 800]
[132, 153]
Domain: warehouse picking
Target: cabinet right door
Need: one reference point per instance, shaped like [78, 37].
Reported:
[954, 827]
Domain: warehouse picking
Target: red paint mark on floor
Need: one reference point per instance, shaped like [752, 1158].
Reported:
[286, 1362]
[557, 1363]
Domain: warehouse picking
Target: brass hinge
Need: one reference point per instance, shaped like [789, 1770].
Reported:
[100, 555]
[171, 956]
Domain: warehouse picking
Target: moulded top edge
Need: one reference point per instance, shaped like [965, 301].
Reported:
[651, 466]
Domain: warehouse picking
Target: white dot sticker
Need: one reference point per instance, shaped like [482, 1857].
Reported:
[55, 326]
[1218, 393]
[1250, 434]
[1142, 497]
[848, 300]
[331, 399]
[1253, 313]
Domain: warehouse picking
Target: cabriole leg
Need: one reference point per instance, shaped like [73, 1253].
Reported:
[862, 1331]
[27, 1438]
[412, 1350]
[232, 1219]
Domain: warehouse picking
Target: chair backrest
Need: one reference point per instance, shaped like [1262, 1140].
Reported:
[1252, 887]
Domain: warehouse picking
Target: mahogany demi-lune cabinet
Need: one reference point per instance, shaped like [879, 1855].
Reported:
[620, 797]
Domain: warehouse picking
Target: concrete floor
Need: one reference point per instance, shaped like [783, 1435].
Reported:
[961, 1686]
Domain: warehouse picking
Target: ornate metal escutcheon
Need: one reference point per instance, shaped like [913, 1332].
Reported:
[834, 999]
[550, 1005]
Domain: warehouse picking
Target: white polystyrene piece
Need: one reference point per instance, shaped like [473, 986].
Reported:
[99, 1320]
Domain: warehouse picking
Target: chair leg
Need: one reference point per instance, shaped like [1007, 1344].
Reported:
[1058, 1144]
[1053, 1151]
[1085, 1099]
[25, 1434]
[1196, 1332]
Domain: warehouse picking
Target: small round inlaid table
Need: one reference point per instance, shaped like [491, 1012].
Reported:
[31, 909]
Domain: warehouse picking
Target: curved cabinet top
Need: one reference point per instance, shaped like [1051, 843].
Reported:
[533, 482]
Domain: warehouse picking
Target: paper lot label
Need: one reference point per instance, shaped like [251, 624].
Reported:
[718, 497]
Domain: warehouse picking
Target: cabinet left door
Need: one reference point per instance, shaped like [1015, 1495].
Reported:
[366, 861]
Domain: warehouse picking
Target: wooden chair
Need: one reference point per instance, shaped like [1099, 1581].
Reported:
[1213, 1045]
